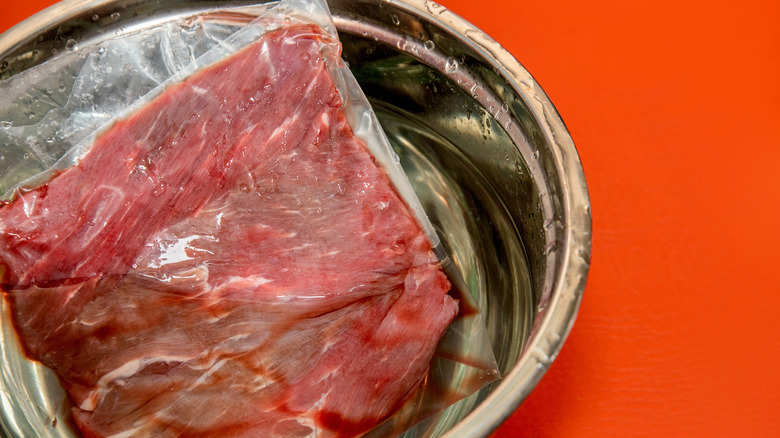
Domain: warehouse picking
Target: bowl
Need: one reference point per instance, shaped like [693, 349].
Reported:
[485, 149]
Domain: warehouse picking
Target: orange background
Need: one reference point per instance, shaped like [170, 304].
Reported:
[675, 110]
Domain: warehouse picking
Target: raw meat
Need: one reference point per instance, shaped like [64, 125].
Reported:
[228, 261]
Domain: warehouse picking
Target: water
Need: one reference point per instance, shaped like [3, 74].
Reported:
[475, 226]
[477, 232]
[451, 65]
[471, 179]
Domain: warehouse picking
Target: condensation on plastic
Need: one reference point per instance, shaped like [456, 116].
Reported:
[52, 113]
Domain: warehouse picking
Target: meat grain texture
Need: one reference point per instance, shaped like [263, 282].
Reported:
[228, 261]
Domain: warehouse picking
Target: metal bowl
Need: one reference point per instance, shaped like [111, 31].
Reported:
[486, 151]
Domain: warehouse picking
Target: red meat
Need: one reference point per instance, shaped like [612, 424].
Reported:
[228, 261]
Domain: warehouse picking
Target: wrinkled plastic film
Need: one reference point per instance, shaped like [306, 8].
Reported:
[109, 86]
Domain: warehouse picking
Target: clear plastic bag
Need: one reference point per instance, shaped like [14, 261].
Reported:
[200, 240]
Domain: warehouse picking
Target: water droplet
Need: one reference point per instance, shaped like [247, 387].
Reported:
[50, 140]
[54, 51]
[451, 66]
[474, 90]
[395, 19]
[72, 45]
[5, 124]
[101, 50]
[159, 190]
[536, 154]
[26, 156]
[95, 17]
[550, 248]
[430, 45]
[115, 16]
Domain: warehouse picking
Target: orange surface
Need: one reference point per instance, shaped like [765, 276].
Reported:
[675, 109]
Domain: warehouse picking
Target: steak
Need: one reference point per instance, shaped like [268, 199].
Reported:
[228, 261]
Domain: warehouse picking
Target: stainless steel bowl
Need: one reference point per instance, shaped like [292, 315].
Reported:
[485, 149]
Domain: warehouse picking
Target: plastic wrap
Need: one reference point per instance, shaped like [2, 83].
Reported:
[206, 232]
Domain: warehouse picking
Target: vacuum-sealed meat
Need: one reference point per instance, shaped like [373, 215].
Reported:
[229, 260]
